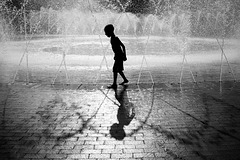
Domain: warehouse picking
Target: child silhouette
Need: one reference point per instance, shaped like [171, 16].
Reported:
[119, 55]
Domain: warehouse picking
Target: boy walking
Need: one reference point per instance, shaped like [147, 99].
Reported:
[119, 55]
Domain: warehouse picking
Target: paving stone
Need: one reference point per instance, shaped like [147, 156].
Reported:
[125, 146]
[103, 155]
[50, 123]
[143, 155]
[56, 156]
[35, 156]
[90, 151]
[122, 155]
[119, 151]
[107, 146]
[78, 156]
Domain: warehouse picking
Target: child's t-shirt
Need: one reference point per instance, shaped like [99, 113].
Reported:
[116, 47]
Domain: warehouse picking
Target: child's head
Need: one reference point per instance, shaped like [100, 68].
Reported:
[109, 30]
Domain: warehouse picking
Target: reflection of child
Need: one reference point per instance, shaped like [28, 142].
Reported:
[119, 55]
[126, 111]
[125, 114]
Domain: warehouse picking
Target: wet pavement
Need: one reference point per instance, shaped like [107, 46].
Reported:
[145, 121]
[85, 120]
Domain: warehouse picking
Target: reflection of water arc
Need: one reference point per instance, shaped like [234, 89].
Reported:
[47, 114]
[193, 136]
[143, 122]
[85, 122]
[189, 137]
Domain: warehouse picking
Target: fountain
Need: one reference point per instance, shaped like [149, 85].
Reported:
[68, 46]
[73, 28]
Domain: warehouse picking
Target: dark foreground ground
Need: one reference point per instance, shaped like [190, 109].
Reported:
[85, 120]
[145, 121]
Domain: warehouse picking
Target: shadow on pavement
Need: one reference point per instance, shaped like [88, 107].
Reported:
[197, 138]
[126, 113]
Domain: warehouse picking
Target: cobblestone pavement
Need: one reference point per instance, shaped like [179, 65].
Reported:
[161, 121]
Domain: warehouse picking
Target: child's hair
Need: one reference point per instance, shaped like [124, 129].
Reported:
[109, 28]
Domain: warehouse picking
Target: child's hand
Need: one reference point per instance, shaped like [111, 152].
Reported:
[124, 56]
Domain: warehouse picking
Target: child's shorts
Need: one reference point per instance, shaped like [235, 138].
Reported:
[118, 66]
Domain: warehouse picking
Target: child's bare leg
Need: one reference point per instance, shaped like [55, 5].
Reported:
[124, 78]
[114, 85]
[115, 78]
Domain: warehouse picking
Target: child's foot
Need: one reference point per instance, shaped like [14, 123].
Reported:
[125, 81]
[114, 86]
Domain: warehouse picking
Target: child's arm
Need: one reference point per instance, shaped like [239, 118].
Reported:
[124, 51]
[123, 47]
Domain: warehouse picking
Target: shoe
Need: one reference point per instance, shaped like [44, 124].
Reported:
[123, 82]
[112, 86]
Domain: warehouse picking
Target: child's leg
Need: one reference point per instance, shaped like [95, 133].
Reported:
[114, 85]
[124, 77]
[115, 78]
